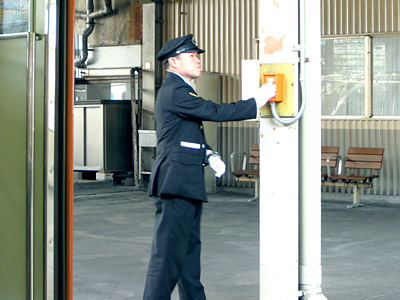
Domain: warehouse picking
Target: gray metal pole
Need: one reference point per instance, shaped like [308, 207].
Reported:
[310, 270]
[135, 160]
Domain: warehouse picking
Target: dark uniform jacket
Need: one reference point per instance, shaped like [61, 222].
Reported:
[181, 145]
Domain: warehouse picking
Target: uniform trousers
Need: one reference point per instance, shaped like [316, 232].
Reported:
[175, 254]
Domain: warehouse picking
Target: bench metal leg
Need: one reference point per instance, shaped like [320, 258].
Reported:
[356, 198]
[256, 197]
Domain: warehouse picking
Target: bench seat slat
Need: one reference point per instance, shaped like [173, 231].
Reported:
[246, 172]
[332, 162]
[357, 150]
[255, 155]
[352, 177]
[364, 157]
[363, 165]
[254, 160]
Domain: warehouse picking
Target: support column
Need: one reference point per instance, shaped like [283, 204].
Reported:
[290, 165]
[279, 162]
[152, 70]
[310, 270]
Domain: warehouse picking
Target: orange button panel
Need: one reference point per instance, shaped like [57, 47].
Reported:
[279, 81]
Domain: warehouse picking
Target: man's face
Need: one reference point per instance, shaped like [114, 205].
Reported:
[186, 64]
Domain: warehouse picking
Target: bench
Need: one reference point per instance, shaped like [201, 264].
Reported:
[368, 159]
[248, 174]
[330, 156]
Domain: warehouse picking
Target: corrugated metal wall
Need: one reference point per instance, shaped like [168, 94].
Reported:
[227, 30]
[369, 133]
[345, 17]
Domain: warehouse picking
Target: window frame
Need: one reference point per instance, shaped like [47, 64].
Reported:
[368, 84]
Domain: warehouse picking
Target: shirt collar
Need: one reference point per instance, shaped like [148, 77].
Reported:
[181, 76]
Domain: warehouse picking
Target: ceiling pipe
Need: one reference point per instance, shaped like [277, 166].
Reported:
[90, 16]
[107, 10]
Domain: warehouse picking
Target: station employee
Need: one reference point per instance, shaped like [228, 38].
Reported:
[177, 181]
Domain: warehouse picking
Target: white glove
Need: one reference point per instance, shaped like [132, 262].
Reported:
[217, 164]
[264, 93]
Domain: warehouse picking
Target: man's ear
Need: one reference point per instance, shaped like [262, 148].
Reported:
[172, 61]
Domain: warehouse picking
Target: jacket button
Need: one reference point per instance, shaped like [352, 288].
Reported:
[203, 146]
[201, 127]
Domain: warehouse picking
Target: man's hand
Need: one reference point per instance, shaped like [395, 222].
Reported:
[217, 164]
[264, 93]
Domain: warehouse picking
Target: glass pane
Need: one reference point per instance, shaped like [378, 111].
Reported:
[120, 91]
[14, 16]
[342, 76]
[103, 91]
[386, 69]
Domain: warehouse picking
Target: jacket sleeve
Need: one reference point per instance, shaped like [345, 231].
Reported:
[189, 105]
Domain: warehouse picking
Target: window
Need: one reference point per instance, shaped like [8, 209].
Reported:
[345, 76]
[103, 91]
[386, 76]
[14, 16]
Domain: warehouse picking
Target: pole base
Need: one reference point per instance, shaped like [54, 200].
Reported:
[309, 292]
[254, 199]
[355, 205]
[318, 296]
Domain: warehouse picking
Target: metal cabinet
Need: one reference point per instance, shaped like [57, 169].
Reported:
[102, 135]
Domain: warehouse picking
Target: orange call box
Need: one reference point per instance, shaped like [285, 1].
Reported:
[279, 81]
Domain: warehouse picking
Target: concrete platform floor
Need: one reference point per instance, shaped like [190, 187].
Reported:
[113, 232]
